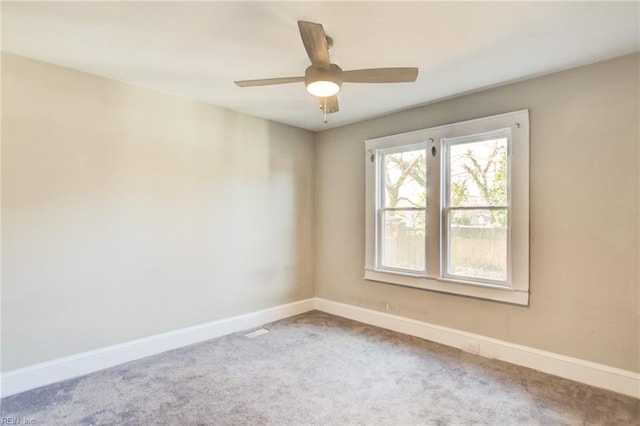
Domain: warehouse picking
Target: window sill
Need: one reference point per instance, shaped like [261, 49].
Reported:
[479, 291]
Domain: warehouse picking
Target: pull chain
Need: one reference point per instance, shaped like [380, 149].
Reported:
[324, 109]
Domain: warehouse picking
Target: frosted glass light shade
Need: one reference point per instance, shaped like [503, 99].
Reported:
[323, 88]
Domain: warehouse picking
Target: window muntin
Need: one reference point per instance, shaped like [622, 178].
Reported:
[510, 244]
[476, 207]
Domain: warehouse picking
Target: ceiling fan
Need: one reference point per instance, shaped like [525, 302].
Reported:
[324, 79]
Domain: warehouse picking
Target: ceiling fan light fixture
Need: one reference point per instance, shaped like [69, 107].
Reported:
[323, 82]
[323, 88]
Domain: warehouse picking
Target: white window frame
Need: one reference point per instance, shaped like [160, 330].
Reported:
[516, 288]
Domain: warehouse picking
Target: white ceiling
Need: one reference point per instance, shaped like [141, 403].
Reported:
[197, 49]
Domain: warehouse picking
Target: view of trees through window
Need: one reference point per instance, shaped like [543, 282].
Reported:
[478, 200]
[403, 210]
[477, 209]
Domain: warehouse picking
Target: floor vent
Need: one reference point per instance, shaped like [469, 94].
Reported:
[257, 333]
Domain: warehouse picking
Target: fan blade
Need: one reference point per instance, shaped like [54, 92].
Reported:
[330, 104]
[315, 43]
[268, 81]
[381, 75]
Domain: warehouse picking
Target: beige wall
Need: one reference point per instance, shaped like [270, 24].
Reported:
[584, 218]
[127, 213]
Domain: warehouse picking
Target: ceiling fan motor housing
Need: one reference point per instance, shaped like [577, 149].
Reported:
[315, 74]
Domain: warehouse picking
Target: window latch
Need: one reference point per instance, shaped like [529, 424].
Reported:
[371, 155]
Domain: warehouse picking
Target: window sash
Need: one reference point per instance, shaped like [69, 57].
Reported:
[447, 208]
[381, 208]
[446, 257]
[380, 242]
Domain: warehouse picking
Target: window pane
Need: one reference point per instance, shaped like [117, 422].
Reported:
[403, 240]
[405, 178]
[478, 173]
[478, 243]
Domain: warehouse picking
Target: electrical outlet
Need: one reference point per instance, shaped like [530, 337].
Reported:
[472, 347]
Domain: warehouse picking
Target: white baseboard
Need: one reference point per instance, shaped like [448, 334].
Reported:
[590, 373]
[602, 376]
[34, 376]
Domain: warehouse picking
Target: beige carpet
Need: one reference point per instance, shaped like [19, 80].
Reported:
[318, 369]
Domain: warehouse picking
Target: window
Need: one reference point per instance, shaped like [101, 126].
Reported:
[475, 207]
[402, 210]
[448, 208]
